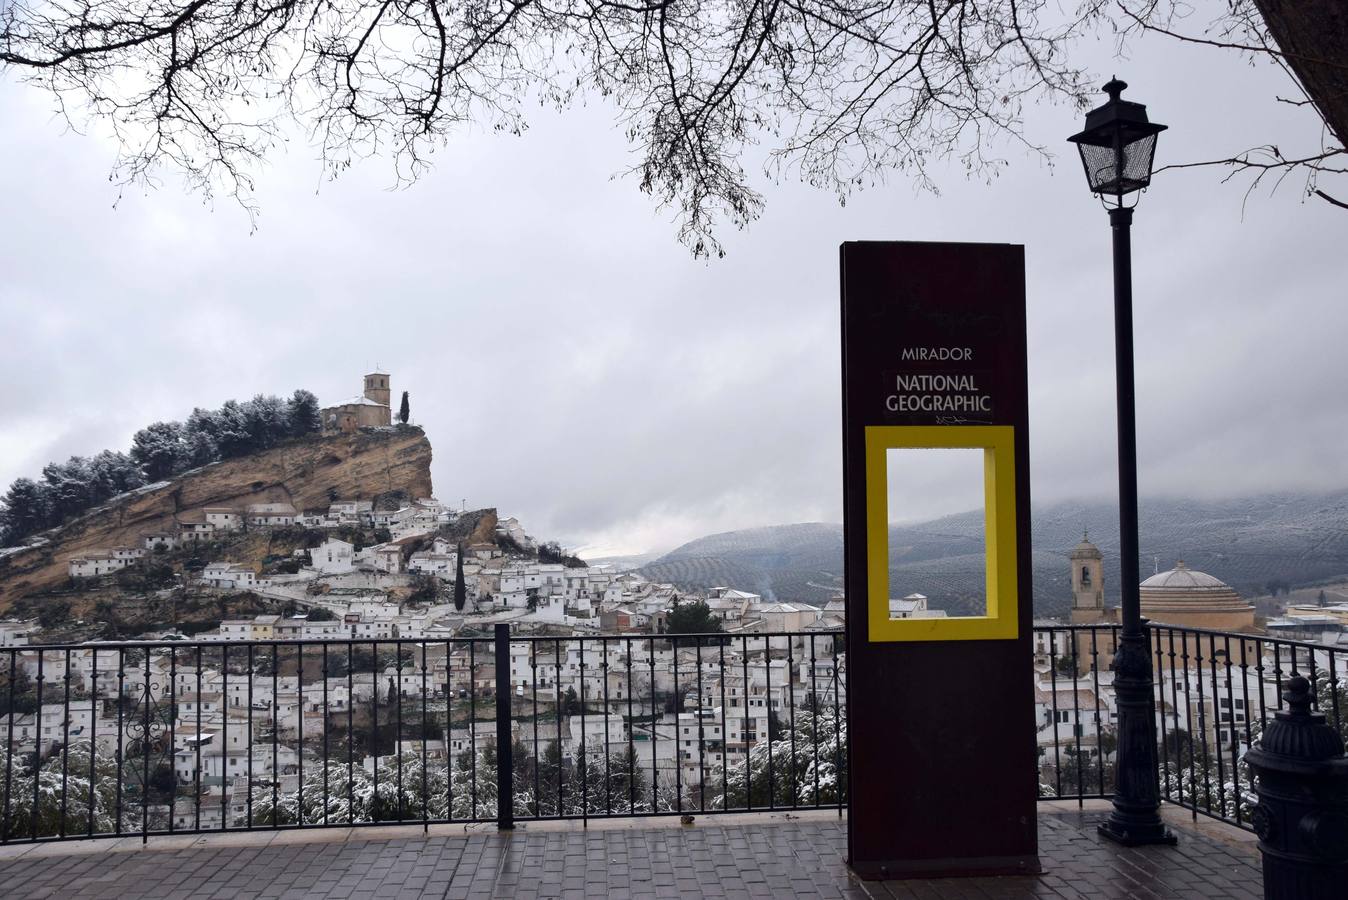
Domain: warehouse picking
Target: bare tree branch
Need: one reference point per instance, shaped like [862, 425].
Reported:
[1323, 196]
[839, 92]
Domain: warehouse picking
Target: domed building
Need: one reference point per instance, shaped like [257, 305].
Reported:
[1180, 597]
[1187, 597]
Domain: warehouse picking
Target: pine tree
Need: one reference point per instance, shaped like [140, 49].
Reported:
[69, 487]
[201, 449]
[460, 591]
[265, 420]
[113, 473]
[160, 450]
[404, 411]
[232, 437]
[302, 414]
[23, 511]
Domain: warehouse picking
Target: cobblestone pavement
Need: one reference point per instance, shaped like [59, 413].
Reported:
[745, 859]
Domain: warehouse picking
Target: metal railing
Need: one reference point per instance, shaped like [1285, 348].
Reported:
[1214, 691]
[149, 738]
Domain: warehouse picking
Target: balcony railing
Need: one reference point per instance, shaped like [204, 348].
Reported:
[1214, 692]
[153, 738]
[150, 738]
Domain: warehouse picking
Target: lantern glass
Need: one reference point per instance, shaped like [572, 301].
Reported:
[1122, 171]
[1118, 145]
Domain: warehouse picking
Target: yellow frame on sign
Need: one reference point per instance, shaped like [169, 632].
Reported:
[999, 504]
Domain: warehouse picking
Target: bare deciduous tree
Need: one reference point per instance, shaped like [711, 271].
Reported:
[840, 91]
[1308, 40]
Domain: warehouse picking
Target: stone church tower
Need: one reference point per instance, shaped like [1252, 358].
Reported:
[1088, 607]
[1088, 583]
[376, 387]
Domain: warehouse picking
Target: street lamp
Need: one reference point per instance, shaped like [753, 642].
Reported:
[1117, 148]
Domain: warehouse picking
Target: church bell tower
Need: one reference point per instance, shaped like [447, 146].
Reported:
[376, 387]
[1088, 582]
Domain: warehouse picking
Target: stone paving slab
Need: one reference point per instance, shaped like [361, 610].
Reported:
[735, 860]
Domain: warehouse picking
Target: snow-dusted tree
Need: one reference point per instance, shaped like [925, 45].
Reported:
[332, 793]
[596, 783]
[805, 766]
[472, 787]
[201, 449]
[24, 510]
[231, 436]
[1212, 789]
[1218, 780]
[1331, 698]
[160, 450]
[68, 487]
[204, 421]
[265, 420]
[112, 473]
[1197, 773]
[64, 792]
[302, 414]
[404, 789]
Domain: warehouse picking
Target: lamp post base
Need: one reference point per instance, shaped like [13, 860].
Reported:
[1136, 818]
[1139, 832]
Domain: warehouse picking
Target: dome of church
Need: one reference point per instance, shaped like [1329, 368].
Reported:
[1183, 578]
[1184, 596]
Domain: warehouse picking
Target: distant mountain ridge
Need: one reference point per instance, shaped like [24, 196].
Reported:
[1250, 543]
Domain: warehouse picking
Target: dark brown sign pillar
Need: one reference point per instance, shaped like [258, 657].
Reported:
[941, 731]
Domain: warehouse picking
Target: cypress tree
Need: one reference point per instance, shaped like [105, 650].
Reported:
[404, 412]
[459, 590]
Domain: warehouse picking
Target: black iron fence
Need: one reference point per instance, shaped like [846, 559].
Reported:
[147, 738]
[150, 738]
[1214, 692]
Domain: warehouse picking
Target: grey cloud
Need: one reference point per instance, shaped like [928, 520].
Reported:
[576, 368]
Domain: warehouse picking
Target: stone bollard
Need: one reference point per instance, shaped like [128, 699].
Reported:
[1301, 776]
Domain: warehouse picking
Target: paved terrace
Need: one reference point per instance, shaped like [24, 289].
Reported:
[730, 857]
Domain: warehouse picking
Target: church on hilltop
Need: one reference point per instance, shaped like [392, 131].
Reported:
[370, 410]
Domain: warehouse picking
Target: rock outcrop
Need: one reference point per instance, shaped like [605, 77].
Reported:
[308, 474]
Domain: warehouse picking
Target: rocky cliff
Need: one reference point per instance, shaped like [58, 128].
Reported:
[308, 474]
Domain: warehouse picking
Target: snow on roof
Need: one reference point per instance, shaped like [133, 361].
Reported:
[784, 608]
[1182, 578]
[271, 508]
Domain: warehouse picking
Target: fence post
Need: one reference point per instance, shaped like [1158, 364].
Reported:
[505, 762]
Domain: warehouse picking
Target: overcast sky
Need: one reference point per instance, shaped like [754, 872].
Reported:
[575, 367]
